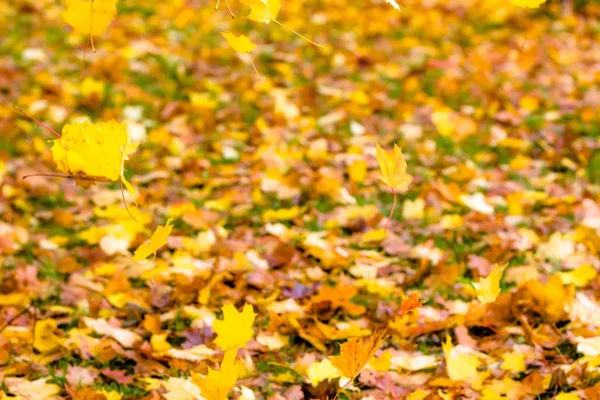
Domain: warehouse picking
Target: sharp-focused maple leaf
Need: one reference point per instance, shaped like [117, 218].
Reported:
[356, 353]
[488, 288]
[93, 152]
[235, 329]
[91, 17]
[157, 240]
[216, 385]
[528, 3]
[241, 43]
[263, 10]
[393, 168]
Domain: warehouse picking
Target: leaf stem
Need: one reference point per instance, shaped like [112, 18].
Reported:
[39, 123]
[296, 33]
[126, 206]
[387, 224]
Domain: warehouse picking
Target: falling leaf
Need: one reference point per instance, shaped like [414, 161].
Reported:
[356, 353]
[44, 337]
[235, 329]
[92, 152]
[488, 288]
[240, 43]
[393, 168]
[216, 385]
[527, 3]
[393, 3]
[90, 17]
[263, 10]
[157, 240]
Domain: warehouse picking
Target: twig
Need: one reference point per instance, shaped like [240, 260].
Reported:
[39, 123]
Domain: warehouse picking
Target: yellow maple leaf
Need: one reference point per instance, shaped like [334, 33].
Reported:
[356, 353]
[393, 168]
[488, 288]
[216, 385]
[44, 338]
[263, 10]
[93, 152]
[157, 240]
[90, 17]
[235, 329]
[528, 3]
[241, 43]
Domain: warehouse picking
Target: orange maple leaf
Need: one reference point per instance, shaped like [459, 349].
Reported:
[356, 353]
[411, 303]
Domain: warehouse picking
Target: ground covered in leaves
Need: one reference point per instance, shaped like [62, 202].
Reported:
[277, 200]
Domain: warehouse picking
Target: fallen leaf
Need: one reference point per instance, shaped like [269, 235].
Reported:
[488, 288]
[356, 353]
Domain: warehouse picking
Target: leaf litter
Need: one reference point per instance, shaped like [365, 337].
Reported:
[280, 268]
